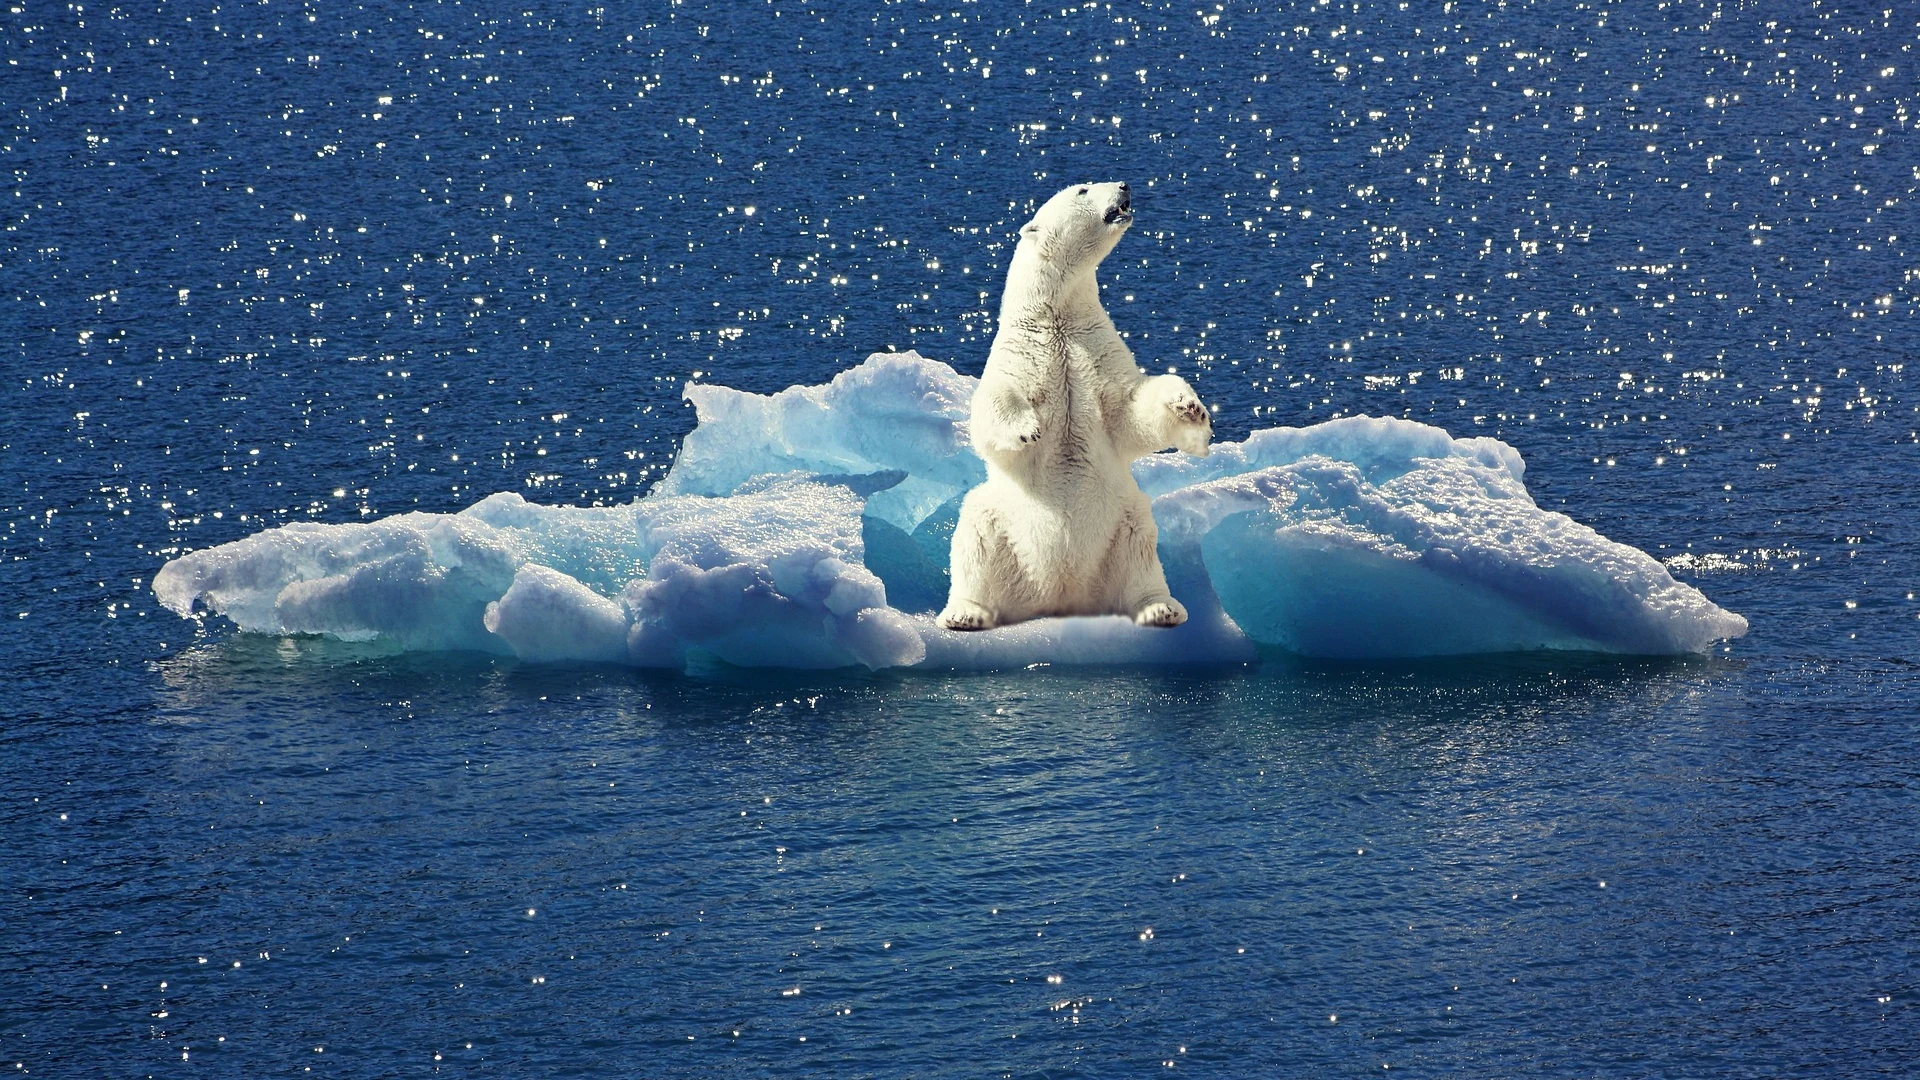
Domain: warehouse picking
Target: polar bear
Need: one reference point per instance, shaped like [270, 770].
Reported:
[1059, 527]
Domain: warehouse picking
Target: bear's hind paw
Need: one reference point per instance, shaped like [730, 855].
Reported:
[965, 615]
[1161, 613]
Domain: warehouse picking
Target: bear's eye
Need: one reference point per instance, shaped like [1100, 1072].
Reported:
[1082, 191]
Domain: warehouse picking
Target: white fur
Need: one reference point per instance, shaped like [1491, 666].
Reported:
[1060, 527]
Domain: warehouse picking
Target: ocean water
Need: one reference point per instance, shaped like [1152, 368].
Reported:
[271, 262]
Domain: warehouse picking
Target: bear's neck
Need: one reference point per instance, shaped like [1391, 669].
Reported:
[1041, 291]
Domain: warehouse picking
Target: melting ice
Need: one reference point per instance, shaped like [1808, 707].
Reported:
[809, 528]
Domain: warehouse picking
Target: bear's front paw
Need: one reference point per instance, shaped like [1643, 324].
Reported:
[1187, 410]
[1166, 612]
[1012, 440]
[1192, 423]
[967, 615]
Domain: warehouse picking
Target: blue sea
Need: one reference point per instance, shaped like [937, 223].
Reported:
[271, 262]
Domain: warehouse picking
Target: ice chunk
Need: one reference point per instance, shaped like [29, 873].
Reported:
[799, 529]
[896, 411]
[769, 576]
[1108, 639]
[1449, 556]
[546, 615]
[421, 581]
[1381, 447]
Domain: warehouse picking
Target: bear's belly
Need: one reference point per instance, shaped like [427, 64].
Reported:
[1062, 536]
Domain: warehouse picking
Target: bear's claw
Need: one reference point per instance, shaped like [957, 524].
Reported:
[1009, 442]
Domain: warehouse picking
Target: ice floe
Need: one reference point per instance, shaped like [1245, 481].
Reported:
[809, 528]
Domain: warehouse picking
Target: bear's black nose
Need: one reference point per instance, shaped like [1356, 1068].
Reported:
[1126, 198]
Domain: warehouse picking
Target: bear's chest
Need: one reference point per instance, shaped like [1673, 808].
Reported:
[1071, 378]
[1082, 391]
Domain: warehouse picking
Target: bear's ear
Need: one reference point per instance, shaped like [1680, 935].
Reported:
[1031, 231]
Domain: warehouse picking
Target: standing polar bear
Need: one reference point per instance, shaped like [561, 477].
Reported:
[1060, 527]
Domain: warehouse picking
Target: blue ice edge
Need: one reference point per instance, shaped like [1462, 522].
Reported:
[809, 529]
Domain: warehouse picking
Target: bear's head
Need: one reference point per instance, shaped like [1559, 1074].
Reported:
[1076, 228]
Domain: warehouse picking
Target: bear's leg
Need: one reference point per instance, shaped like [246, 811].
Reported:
[979, 563]
[1133, 565]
